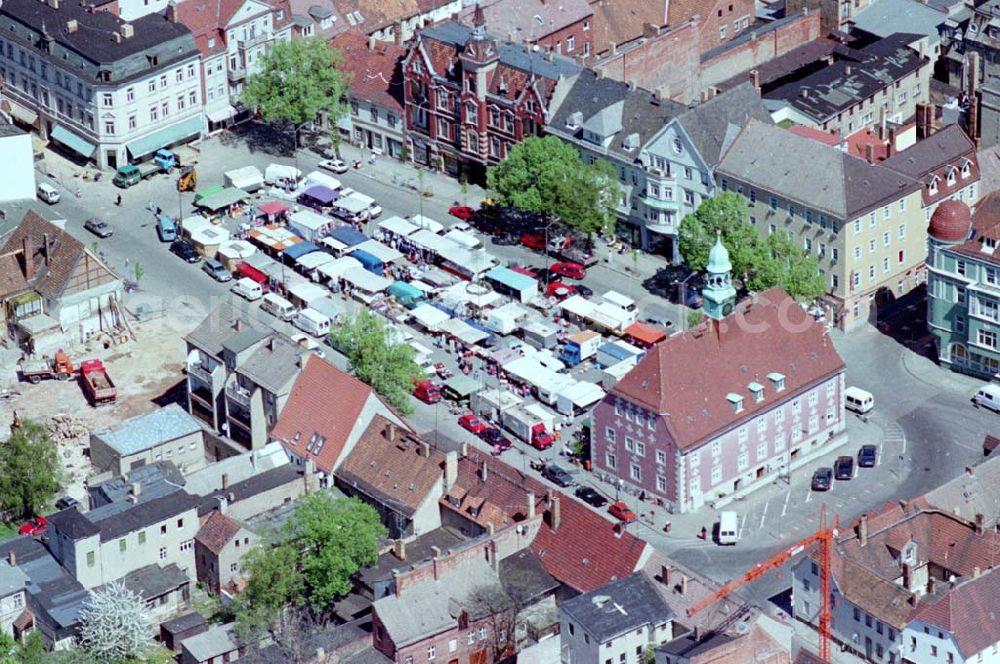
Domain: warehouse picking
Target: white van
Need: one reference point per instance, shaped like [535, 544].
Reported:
[248, 288]
[988, 396]
[280, 175]
[312, 322]
[858, 400]
[729, 528]
[278, 307]
[48, 193]
[324, 180]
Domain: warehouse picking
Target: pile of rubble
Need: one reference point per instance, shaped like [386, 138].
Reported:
[68, 429]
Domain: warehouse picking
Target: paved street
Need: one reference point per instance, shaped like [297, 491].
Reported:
[923, 422]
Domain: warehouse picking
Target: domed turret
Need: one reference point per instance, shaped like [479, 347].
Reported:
[719, 296]
[950, 222]
[718, 257]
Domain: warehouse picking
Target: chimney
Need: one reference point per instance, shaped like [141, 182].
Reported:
[614, 48]
[172, 12]
[555, 513]
[29, 257]
[631, 84]
[371, 42]
[72, 25]
[931, 581]
[136, 489]
[979, 524]
[45, 247]
[683, 585]
[848, 70]
[530, 497]
[484, 471]
[238, 325]
[320, 655]
[128, 31]
[976, 572]
[116, 37]
[435, 555]
[223, 504]
[697, 633]
[399, 549]
[891, 146]
[599, 72]
[755, 80]
[450, 470]
[12, 559]
[804, 93]
[465, 450]
[390, 432]
[665, 575]
[863, 530]
[54, 4]
[399, 33]
[423, 449]
[225, 481]
[907, 577]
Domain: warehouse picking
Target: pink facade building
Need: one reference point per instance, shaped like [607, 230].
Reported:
[747, 396]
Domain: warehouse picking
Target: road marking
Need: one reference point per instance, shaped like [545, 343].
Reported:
[763, 514]
[809, 496]
[894, 434]
[743, 525]
[784, 508]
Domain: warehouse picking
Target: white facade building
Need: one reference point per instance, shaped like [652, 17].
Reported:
[17, 168]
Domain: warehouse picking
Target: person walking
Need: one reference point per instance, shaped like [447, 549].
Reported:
[118, 200]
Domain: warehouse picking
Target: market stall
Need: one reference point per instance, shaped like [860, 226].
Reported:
[429, 317]
[232, 252]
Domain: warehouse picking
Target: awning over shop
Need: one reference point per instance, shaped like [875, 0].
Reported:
[220, 114]
[366, 281]
[237, 249]
[73, 142]
[311, 261]
[152, 142]
[337, 268]
[430, 317]
[307, 292]
[461, 386]
[647, 335]
[348, 235]
[398, 226]
[25, 115]
[272, 207]
[379, 251]
[202, 194]
[222, 199]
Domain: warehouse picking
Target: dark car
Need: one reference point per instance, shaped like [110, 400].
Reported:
[585, 291]
[557, 475]
[66, 502]
[868, 456]
[101, 229]
[822, 479]
[843, 468]
[590, 496]
[185, 250]
[496, 438]
[505, 240]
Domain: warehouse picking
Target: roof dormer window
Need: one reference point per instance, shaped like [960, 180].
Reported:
[966, 168]
[951, 176]
[932, 186]
[756, 391]
[736, 401]
[777, 381]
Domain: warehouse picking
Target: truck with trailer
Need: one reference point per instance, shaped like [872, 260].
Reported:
[527, 427]
[163, 161]
[97, 383]
[580, 346]
[59, 367]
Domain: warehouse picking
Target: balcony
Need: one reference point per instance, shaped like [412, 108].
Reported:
[201, 372]
[239, 395]
[237, 74]
[254, 40]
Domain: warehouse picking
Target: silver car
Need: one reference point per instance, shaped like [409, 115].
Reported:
[216, 270]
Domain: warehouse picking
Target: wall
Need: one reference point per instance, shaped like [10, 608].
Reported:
[266, 501]
[571, 35]
[578, 647]
[11, 607]
[724, 20]
[667, 59]
[17, 168]
[378, 133]
[187, 452]
[216, 571]
[937, 645]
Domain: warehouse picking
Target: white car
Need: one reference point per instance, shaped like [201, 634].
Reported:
[374, 211]
[333, 165]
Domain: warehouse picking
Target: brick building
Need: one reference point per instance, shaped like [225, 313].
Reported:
[469, 97]
[722, 409]
[718, 20]
[561, 27]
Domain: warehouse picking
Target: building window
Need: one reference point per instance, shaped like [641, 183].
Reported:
[90, 559]
[131, 122]
[180, 103]
[482, 633]
[636, 472]
[187, 545]
[109, 126]
[570, 44]
[722, 32]
[987, 338]
[610, 434]
[153, 115]
[960, 267]
[716, 474]
[886, 239]
[661, 457]
[431, 652]
[610, 460]
[163, 553]
[233, 567]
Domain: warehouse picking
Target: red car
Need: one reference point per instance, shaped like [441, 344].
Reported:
[533, 241]
[463, 212]
[36, 526]
[570, 270]
[620, 511]
[472, 423]
[559, 290]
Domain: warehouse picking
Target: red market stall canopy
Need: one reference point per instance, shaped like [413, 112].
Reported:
[644, 335]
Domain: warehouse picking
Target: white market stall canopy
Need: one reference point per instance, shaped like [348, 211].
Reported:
[203, 232]
[314, 260]
[529, 370]
[307, 292]
[429, 316]
[237, 250]
[427, 223]
[336, 268]
[462, 331]
[398, 226]
[366, 281]
[435, 244]
[580, 396]
[380, 251]
[464, 292]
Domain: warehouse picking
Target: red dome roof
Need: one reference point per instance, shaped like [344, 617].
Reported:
[950, 222]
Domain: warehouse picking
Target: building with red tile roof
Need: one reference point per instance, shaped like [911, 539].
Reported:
[945, 163]
[560, 27]
[724, 407]
[579, 547]
[219, 546]
[900, 569]
[325, 416]
[718, 20]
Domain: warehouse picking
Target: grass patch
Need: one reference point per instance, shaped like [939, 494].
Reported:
[8, 530]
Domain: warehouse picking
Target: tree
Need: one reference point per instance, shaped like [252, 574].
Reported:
[503, 605]
[114, 624]
[335, 537]
[29, 470]
[139, 271]
[725, 213]
[31, 650]
[297, 80]
[273, 584]
[547, 176]
[787, 265]
[388, 367]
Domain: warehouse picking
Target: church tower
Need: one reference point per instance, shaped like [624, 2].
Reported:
[719, 296]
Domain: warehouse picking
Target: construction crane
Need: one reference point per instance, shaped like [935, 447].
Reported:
[824, 537]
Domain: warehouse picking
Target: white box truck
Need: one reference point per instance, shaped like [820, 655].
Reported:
[527, 427]
[247, 178]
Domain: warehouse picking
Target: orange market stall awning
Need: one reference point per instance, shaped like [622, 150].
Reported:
[643, 335]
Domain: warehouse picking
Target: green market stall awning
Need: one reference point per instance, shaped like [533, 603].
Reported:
[222, 199]
[152, 142]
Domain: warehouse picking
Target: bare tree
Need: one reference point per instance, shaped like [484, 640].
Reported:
[502, 606]
[115, 624]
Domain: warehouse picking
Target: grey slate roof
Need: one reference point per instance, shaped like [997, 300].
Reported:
[885, 17]
[144, 432]
[821, 177]
[618, 607]
[513, 55]
[73, 524]
[12, 579]
[153, 580]
[220, 325]
[90, 48]
[184, 623]
[274, 365]
[113, 522]
[425, 608]
[522, 575]
[931, 153]
[55, 597]
[687, 646]
[252, 486]
[850, 80]
[205, 480]
[598, 101]
[416, 551]
[708, 124]
[210, 643]
[155, 480]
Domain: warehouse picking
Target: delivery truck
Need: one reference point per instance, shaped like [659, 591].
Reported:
[579, 347]
[247, 178]
[527, 427]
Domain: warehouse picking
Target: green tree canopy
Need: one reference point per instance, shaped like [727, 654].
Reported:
[298, 79]
[273, 584]
[760, 263]
[388, 367]
[29, 470]
[547, 176]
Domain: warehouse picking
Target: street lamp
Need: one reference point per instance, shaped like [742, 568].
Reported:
[548, 258]
[682, 299]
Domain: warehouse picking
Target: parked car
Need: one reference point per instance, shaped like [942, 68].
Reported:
[505, 240]
[101, 229]
[557, 475]
[334, 166]
[569, 270]
[35, 526]
[584, 291]
[590, 496]
[463, 212]
[843, 468]
[559, 290]
[185, 250]
[533, 241]
[471, 422]
[620, 511]
[822, 479]
[868, 456]
[66, 502]
[658, 320]
[216, 270]
[496, 438]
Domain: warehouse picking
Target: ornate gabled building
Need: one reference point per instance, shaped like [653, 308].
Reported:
[469, 97]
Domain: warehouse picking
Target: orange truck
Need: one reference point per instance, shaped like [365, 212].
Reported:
[59, 367]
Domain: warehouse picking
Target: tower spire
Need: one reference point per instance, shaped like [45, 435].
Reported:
[719, 296]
